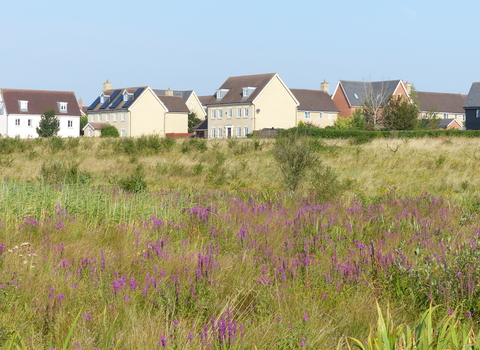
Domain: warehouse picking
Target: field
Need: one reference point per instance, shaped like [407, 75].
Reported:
[192, 244]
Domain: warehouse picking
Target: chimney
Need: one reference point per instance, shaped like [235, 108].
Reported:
[107, 85]
[169, 92]
[80, 103]
[408, 86]
[325, 87]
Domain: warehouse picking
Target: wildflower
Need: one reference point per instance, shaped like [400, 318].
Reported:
[468, 314]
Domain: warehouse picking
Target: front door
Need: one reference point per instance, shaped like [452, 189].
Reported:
[229, 132]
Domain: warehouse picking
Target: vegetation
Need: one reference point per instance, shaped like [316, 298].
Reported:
[201, 244]
[109, 131]
[49, 124]
[193, 120]
[400, 114]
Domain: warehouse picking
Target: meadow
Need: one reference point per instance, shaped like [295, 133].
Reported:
[156, 243]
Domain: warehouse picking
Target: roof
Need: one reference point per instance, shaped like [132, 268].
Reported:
[174, 104]
[183, 94]
[235, 86]
[314, 100]
[39, 101]
[204, 99]
[473, 97]
[444, 123]
[116, 99]
[96, 125]
[441, 102]
[203, 125]
[358, 91]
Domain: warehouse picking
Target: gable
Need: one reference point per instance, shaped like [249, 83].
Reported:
[473, 97]
[314, 100]
[356, 92]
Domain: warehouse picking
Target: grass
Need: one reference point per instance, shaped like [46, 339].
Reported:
[215, 251]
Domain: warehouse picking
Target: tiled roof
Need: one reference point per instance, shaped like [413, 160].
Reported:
[39, 101]
[97, 125]
[203, 125]
[473, 97]
[235, 86]
[184, 94]
[441, 102]
[314, 100]
[174, 104]
[358, 91]
[444, 123]
[204, 99]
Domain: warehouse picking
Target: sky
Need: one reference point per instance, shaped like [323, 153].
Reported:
[196, 45]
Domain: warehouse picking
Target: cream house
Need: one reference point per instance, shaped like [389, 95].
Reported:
[138, 111]
[190, 98]
[251, 102]
[316, 107]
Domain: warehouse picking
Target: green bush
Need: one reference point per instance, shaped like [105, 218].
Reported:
[135, 182]
[109, 131]
[63, 172]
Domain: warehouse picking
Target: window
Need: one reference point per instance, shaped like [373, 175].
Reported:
[229, 113]
[239, 112]
[62, 107]
[246, 113]
[245, 131]
[220, 114]
[123, 116]
[239, 131]
[70, 123]
[445, 115]
[17, 122]
[115, 116]
[23, 105]
[330, 116]
[212, 132]
[99, 117]
[321, 115]
[214, 113]
[104, 98]
[107, 119]
[123, 133]
[247, 91]
[127, 96]
[221, 93]
[104, 116]
[29, 122]
[307, 115]
[355, 95]
[220, 133]
[463, 117]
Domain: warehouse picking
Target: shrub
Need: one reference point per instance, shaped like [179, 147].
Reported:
[63, 172]
[135, 182]
[109, 131]
[294, 157]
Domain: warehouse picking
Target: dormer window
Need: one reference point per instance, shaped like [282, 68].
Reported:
[104, 98]
[23, 105]
[127, 96]
[355, 95]
[62, 107]
[247, 91]
[221, 93]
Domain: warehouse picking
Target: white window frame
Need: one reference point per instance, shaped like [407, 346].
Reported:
[213, 132]
[220, 113]
[107, 118]
[245, 112]
[123, 133]
[30, 123]
[239, 131]
[63, 107]
[17, 122]
[123, 116]
[306, 115]
[239, 112]
[23, 105]
[214, 114]
[70, 123]
[245, 131]
[115, 116]
[321, 115]
[229, 113]
[330, 116]
[445, 115]
[220, 133]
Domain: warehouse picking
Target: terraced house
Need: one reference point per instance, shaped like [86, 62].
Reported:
[243, 104]
[137, 111]
[21, 111]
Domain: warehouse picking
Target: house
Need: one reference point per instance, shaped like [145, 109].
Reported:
[444, 105]
[472, 108]
[21, 111]
[94, 129]
[243, 104]
[190, 99]
[201, 129]
[138, 111]
[316, 107]
[351, 95]
[447, 124]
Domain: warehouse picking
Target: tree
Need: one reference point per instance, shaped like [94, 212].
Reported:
[355, 122]
[193, 120]
[376, 98]
[109, 131]
[83, 122]
[49, 124]
[400, 114]
[430, 120]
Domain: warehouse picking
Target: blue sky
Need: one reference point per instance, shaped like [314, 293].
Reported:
[77, 45]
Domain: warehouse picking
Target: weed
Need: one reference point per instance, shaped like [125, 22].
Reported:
[135, 182]
[60, 172]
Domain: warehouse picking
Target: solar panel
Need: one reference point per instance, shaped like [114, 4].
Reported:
[94, 104]
[110, 98]
[117, 102]
[135, 95]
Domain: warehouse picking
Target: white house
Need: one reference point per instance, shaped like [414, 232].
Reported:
[21, 110]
